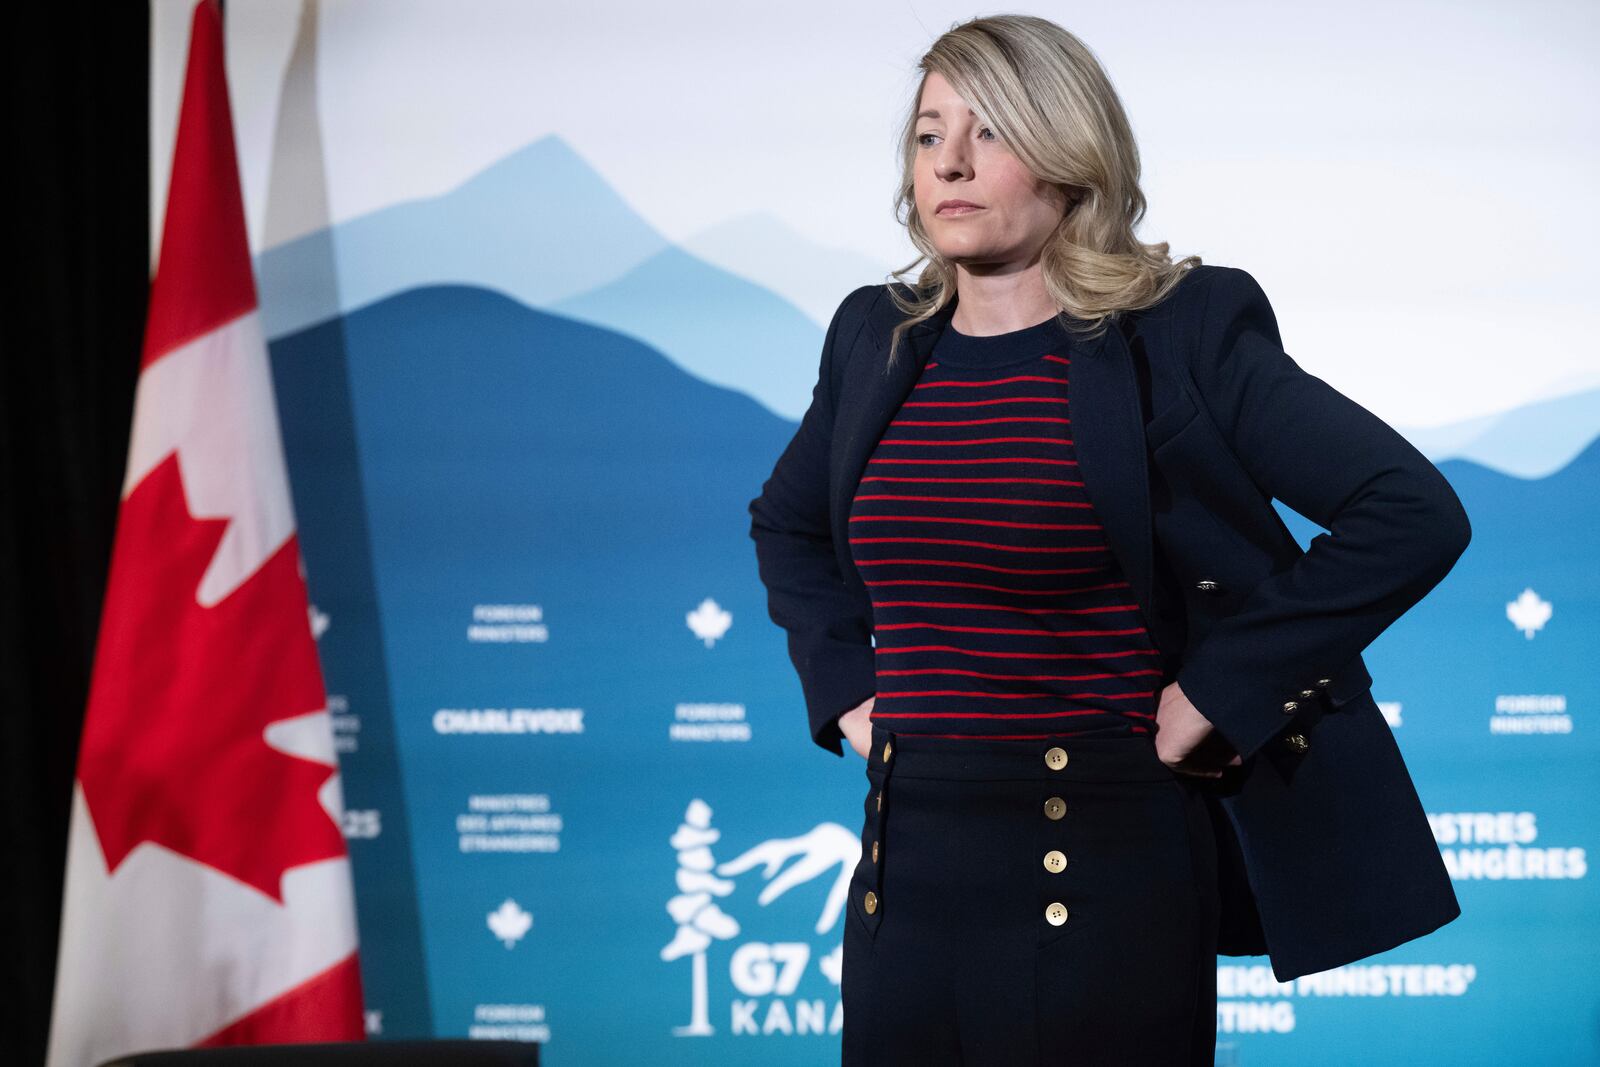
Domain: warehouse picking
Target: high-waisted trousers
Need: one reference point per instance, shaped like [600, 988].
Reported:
[1022, 903]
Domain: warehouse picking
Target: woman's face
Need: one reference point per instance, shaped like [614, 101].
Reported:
[959, 158]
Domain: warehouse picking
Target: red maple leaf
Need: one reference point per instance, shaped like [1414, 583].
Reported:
[173, 749]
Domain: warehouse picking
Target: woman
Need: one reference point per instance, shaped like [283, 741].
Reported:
[1022, 543]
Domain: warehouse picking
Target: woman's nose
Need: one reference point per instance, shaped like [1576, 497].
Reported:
[951, 166]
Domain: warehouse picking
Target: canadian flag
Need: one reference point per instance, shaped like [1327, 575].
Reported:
[208, 893]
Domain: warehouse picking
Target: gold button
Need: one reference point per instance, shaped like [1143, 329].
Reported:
[1055, 913]
[1206, 585]
[1323, 683]
[1055, 861]
[1056, 758]
[880, 800]
[1308, 694]
[874, 852]
[888, 750]
[1290, 707]
[1055, 807]
[1297, 742]
[871, 901]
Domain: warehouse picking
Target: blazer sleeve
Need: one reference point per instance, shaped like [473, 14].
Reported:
[1394, 525]
[829, 627]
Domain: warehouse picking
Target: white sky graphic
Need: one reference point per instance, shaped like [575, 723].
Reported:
[1410, 182]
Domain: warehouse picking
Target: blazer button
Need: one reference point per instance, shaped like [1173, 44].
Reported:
[1055, 758]
[1308, 694]
[1206, 585]
[1290, 707]
[1323, 683]
[1297, 742]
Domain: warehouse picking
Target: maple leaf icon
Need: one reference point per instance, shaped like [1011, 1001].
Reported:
[1529, 612]
[709, 621]
[174, 749]
[509, 922]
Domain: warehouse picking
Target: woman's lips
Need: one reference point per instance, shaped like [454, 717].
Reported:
[959, 209]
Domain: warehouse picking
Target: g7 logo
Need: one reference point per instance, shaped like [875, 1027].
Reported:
[759, 969]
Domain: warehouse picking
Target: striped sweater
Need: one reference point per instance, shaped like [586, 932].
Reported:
[998, 608]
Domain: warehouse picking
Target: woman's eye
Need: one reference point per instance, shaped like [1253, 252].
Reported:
[922, 137]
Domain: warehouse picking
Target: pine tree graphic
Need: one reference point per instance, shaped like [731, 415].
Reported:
[693, 909]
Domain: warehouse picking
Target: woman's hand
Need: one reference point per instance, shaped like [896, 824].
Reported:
[1185, 739]
[857, 726]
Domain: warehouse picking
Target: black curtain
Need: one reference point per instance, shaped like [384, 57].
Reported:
[80, 241]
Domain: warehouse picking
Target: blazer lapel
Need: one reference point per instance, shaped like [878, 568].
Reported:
[1108, 435]
[1107, 431]
[871, 394]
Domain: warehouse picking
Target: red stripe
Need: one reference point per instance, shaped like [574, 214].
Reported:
[974, 544]
[1101, 676]
[203, 279]
[979, 566]
[1002, 630]
[325, 1007]
[928, 442]
[971, 481]
[1006, 714]
[984, 694]
[979, 403]
[982, 383]
[982, 422]
[1006, 608]
[1002, 523]
[998, 459]
[974, 500]
[988, 654]
[1000, 588]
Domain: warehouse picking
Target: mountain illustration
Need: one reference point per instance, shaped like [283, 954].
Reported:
[543, 227]
[742, 303]
[815, 277]
[1529, 441]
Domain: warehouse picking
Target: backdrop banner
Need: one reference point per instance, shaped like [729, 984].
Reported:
[522, 427]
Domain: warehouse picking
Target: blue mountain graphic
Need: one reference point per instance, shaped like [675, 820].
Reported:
[506, 448]
[543, 227]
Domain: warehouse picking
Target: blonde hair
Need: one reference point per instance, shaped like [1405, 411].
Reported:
[1044, 93]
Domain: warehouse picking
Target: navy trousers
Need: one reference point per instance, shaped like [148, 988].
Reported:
[1027, 903]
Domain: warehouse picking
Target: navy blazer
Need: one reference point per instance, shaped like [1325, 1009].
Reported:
[1188, 420]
